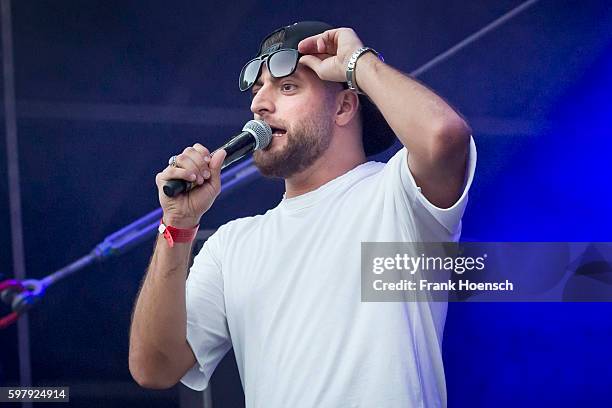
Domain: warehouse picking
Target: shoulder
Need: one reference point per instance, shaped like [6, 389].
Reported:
[366, 174]
[228, 232]
[244, 224]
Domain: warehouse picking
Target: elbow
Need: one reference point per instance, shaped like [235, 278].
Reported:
[453, 130]
[147, 376]
[451, 139]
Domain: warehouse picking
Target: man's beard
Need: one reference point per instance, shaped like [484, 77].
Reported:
[305, 143]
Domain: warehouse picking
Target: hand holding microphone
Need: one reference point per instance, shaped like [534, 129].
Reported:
[192, 181]
[194, 165]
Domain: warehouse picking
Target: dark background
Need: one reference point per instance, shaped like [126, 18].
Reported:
[108, 90]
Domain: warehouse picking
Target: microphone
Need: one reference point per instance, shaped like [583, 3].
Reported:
[255, 135]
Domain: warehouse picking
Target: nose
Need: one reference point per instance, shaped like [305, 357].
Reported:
[262, 103]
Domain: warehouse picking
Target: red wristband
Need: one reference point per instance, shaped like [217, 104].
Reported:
[172, 234]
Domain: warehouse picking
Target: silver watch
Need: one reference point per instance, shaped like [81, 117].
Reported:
[352, 62]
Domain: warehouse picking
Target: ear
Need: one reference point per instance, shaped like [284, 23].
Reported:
[347, 106]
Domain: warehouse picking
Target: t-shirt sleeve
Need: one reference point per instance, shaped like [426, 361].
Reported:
[207, 329]
[449, 218]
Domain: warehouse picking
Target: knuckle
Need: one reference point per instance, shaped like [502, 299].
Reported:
[198, 157]
[182, 161]
[194, 159]
[201, 150]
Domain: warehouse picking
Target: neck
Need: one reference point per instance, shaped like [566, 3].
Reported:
[332, 164]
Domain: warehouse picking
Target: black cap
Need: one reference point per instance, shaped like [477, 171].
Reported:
[377, 134]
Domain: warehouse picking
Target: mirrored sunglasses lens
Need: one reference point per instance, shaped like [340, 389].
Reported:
[249, 74]
[282, 63]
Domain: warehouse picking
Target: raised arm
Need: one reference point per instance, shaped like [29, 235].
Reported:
[437, 137]
[159, 353]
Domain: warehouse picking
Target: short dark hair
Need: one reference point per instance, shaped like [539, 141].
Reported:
[274, 38]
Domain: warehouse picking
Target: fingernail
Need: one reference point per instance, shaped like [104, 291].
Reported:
[206, 174]
[192, 177]
[206, 159]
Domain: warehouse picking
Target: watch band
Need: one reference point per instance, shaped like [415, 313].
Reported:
[352, 62]
[172, 234]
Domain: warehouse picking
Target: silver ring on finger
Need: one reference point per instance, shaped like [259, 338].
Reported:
[172, 161]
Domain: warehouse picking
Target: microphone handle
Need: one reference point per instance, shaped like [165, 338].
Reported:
[239, 146]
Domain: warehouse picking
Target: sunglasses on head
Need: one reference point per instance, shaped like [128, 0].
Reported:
[280, 63]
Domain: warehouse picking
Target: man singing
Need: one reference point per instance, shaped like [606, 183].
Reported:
[283, 288]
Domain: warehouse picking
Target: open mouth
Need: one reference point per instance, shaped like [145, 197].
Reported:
[278, 131]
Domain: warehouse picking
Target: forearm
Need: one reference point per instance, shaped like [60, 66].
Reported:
[159, 322]
[422, 120]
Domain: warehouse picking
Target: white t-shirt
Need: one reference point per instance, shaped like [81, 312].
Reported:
[283, 289]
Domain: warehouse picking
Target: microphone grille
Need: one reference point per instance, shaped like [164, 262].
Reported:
[261, 131]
